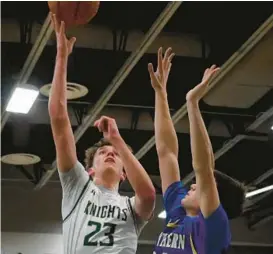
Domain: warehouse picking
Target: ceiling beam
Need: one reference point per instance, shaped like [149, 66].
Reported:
[263, 177]
[225, 69]
[129, 64]
[229, 65]
[183, 44]
[30, 63]
[232, 142]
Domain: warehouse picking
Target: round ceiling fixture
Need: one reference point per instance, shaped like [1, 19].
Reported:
[74, 90]
[20, 159]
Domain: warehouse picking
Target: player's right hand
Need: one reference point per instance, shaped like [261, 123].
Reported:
[197, 93]
[160, 77]
[64, 46]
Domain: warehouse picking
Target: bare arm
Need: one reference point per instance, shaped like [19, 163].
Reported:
[137, 176]
[57, 107]
[140, 181]
[165, 135]
[201, 148]
[166, 142]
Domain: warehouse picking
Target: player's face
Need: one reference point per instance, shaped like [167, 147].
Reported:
[191, 199]
[107, 160]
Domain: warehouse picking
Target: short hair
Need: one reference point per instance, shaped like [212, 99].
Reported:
[90, 152]
[231, 194]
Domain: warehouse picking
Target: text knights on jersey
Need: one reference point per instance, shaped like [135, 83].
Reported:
[106, 211]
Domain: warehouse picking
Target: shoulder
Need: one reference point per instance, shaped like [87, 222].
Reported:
[217, 229]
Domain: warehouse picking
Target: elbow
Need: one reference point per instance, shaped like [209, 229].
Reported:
[164, 151]
[57, 110]
[202, 166]
[148, 196]
[151, 195]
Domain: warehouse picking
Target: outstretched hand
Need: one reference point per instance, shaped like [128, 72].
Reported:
[64, 46]
[199, 91]
[160, 77]
[109, 128]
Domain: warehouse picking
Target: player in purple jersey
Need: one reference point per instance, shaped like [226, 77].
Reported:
[197, 219]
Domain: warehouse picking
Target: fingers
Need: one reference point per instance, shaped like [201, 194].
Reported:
[52, 20]
[171, 57]
[55, 23]
[216, 69]
[103, 123]
[169, 62]
[97, 125]
[168, 70]
[166, 56]
[206, 71]
[211, 70]
[159, 60]
[62, 28]
[56, 26]
[213, 67]
[72, 41]
[153, 77]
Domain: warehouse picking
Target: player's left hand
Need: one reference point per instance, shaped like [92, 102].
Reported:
[199, 91]
[109, 128]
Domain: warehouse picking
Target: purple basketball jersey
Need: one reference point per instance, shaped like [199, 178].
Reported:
[191, 235]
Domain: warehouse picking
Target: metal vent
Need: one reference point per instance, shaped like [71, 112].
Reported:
[20, 159]
[74, 90]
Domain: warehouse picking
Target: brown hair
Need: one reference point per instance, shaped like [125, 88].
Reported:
[90, 152]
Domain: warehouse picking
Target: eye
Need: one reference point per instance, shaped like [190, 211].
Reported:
[101, 152]
[116, 153]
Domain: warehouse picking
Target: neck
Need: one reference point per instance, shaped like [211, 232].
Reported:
[111, 185]
[191, 212]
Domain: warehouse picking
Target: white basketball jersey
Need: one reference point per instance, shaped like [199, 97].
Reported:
[95, 219]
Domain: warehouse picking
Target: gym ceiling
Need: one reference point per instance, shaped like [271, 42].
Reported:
[238, 36]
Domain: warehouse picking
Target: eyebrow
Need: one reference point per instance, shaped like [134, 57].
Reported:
[104, 148]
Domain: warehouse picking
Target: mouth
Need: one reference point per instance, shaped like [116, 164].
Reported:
[109, 160]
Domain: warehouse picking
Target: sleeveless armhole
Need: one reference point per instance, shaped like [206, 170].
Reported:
[129, 204]
[78, 200]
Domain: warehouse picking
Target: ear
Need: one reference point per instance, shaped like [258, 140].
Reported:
[123, 177]
[91, 172]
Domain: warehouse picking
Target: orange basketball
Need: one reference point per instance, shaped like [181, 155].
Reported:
[74, 12]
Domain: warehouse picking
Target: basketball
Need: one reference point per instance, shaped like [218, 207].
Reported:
[74, 12]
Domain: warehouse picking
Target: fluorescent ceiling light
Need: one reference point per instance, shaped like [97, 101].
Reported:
[22, 99]
[162, 215]
[259, 191]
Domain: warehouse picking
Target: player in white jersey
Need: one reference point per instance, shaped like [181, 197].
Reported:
[96, 219]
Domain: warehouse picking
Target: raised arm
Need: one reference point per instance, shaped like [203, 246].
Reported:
[136, 174]
[57, 107]
[201, 148]
[165, 135]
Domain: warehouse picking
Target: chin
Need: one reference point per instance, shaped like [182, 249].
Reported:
[111, 170]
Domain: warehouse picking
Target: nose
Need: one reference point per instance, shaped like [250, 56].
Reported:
[110, 153]
[193, 186]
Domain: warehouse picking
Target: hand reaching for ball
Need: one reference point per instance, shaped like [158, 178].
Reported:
[64, 46]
